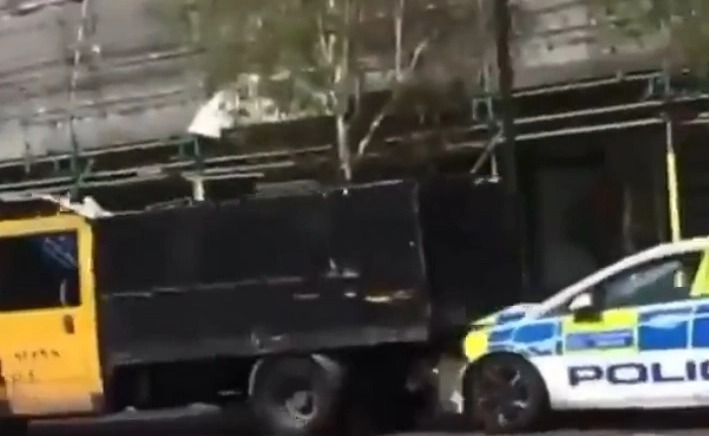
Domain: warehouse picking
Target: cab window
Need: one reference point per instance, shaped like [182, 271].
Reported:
[39, 271]
[661, 281]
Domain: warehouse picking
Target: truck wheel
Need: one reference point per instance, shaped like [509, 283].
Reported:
[14, 426]
[296, 396]
[505, 394]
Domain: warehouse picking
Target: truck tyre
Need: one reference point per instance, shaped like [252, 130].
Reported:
[297, 396]
[505, 394]
[14, 426]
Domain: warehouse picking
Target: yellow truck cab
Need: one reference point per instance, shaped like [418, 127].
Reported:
[49, 356]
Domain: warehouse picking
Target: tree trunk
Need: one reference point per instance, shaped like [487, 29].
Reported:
[505, 84]
[344, 155]
[342, 97]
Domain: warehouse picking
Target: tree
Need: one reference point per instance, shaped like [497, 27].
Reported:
[293, 54]
[311, 57]
[683, 27]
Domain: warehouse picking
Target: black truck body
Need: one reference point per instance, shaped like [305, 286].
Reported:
[397, 262]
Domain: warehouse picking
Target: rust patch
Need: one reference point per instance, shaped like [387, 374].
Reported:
[98, 401]
[389, 296]
[5, 408]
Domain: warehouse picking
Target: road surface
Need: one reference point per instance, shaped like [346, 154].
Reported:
[206, 421]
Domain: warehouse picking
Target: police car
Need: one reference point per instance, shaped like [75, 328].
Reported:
[632, 335]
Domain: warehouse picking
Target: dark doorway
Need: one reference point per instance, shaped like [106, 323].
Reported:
[574, 215]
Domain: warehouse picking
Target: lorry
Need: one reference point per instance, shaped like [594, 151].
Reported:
[307, 305]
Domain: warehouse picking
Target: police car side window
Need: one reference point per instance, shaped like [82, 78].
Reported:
[660, 281]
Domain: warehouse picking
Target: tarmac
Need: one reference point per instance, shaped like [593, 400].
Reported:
[202, 420]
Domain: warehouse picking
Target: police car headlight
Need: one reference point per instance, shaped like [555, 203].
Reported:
[475, 343]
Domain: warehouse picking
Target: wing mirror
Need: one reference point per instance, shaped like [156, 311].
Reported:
[583, 307]
[581, 302]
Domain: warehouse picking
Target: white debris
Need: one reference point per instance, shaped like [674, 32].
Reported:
[88, 208]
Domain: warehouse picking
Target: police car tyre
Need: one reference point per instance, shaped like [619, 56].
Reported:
[523, 402]
[296, 396]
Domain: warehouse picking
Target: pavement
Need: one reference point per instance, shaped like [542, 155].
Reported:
[207, 421]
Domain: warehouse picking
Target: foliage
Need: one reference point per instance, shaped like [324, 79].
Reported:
[308, 53]
[294, 48]
[315, 57]
[683, 23]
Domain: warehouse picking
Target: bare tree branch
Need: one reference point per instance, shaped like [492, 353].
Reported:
[379, 118]
[399, 35]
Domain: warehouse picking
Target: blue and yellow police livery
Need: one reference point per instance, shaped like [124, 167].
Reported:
[598, 344]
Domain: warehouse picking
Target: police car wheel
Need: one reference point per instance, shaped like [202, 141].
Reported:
[507, 395]
[296, 396]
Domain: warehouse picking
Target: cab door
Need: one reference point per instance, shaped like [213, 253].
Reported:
[48, 346]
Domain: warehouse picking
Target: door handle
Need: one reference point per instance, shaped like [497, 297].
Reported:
[68, 322]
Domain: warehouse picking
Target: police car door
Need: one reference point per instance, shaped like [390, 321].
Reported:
[636, 342]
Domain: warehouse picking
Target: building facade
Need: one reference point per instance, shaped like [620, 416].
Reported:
[98, 94]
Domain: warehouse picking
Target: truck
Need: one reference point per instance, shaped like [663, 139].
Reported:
[308, 305]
